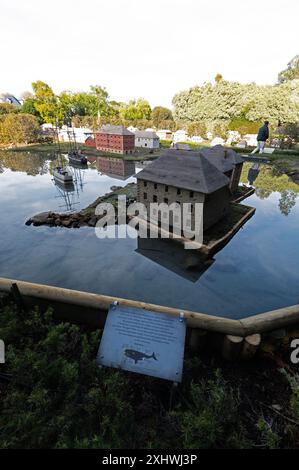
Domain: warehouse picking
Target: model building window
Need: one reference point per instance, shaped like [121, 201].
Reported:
[155, 198]
[166, 189]
[178, 191]
[191, 194]
[155, 185]
[144, 195]
[166, 200]
[144, 183]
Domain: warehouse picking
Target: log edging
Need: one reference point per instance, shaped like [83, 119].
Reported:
[94, 307]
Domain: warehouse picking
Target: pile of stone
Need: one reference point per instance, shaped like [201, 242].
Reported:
[54, 219]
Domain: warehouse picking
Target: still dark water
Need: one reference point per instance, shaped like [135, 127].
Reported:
[257, 271]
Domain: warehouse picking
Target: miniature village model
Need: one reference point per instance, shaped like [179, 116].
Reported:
[210, 177]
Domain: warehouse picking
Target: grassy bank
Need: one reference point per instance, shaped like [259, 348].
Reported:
[54, 395]
[138, 155]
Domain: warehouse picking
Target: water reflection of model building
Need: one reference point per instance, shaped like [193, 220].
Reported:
[172, 256]
[253, 173]
[115, 167]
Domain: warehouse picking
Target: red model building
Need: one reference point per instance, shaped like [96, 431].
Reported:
[115, 139]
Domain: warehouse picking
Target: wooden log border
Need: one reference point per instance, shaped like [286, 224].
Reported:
[92, 309]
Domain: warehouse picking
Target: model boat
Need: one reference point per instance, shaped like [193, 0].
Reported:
[76, 158]
[63, 175]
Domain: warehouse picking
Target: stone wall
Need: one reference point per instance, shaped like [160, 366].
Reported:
[215, 205]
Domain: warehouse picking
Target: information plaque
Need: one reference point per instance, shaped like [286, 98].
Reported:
[143, 341]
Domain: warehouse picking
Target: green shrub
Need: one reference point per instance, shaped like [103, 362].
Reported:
[244, 126]
[212, 418]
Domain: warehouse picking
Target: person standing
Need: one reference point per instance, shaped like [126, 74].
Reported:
[262, 136]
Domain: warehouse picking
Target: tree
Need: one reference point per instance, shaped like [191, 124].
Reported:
[218, 78]
[232, 100]
[29, 107]
[47, 103]
[135, 109]
[159, 114]
[19, 129]
[101, 100]
[291, 72]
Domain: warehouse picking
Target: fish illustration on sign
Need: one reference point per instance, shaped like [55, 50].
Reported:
[138, 356]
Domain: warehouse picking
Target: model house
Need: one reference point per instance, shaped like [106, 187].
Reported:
[229, 162]
[181, 176]
[164, 134]
[90, 142]
[180, 136]
[115, 139]
[147, 139]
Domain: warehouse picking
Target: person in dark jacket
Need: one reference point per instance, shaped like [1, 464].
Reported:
[262, 136]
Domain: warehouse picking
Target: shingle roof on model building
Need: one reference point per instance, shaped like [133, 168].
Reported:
[224, 159]
[187, 170]
[115, 130]
[146, 135]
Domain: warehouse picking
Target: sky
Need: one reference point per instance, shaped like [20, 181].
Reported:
[140, 48]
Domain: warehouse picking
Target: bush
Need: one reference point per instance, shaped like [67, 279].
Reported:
[7, 108]
[243, 126]
[19, 129]
[197, 128]
[212, 419]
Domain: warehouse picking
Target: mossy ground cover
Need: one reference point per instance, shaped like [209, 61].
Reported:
[53, 395]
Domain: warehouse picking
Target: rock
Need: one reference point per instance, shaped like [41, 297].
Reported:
[39, 219]
[92, 221]
[115, 188]
[66, 223]
[57, 222]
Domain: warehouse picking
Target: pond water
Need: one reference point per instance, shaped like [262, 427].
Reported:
[257, 271]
